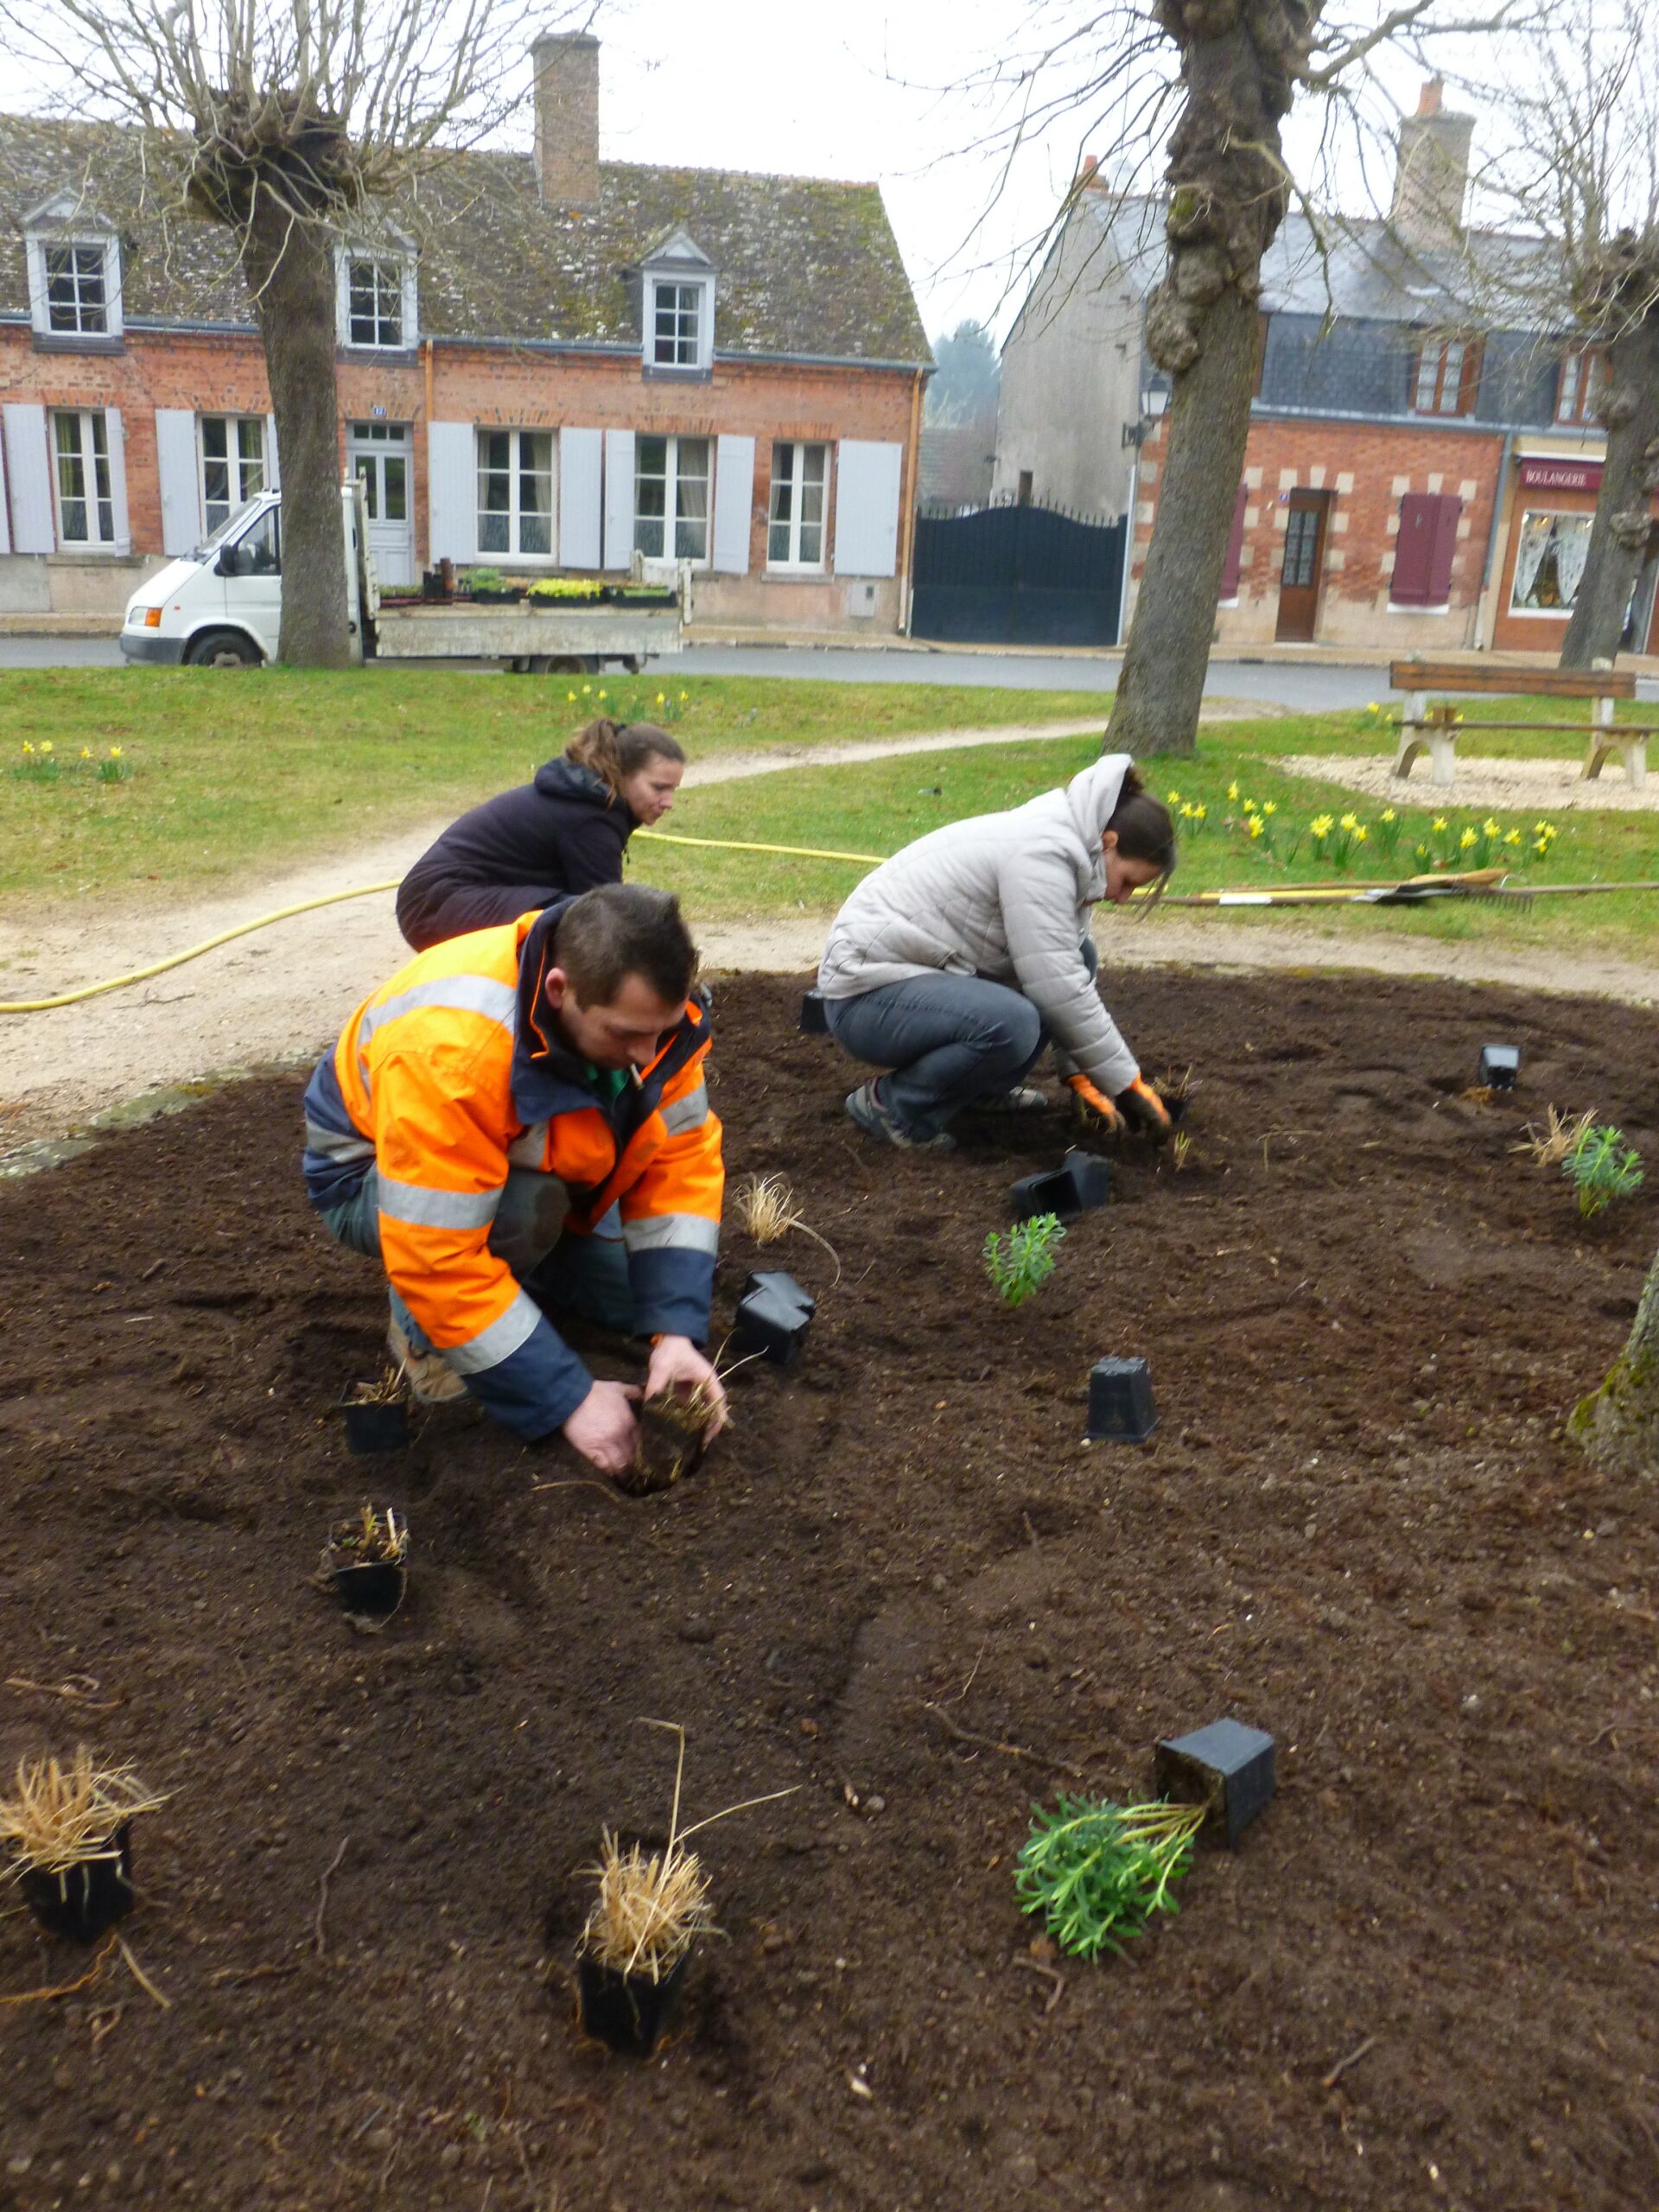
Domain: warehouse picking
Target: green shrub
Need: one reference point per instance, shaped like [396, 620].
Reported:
[1022, 1261]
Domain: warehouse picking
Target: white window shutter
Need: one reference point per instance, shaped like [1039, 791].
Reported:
[5, 505]
[117, 441]
[176, 466]
[867, 507]
[273, 469]
[580, 464]
[733, 497]
[29, 465]
[452, 491]
[619, 499]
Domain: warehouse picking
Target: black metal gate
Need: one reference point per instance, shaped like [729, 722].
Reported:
[1014, 576]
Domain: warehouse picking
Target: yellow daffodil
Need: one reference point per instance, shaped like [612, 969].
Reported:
[585, 688]
[1468, 838]
[1540, 845]
[1389, 814]
[1200, 812]
[1187, 813]
[1319, 826]
[570, 698]
[45, 745]
[115, 753]
[1514, 837]
[1271, 807]
[1441, 823]
[86, 752]
[1539, 828]
[684, 696]
[1349, 822]
[1232, 790]
[1257, 825]
[661, 698]
[1361, 833]
[28, 747]
[1174, 798]
[1491, 828]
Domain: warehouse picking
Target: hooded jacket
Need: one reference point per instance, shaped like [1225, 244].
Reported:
[454, 1071]
[563, 833]
[1002, 896]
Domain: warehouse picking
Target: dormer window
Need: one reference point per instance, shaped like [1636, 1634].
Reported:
[377, 301]
[677, 309]
[74, 276]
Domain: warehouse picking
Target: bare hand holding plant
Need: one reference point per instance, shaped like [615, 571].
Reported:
[677, 1365]
[603, 1429]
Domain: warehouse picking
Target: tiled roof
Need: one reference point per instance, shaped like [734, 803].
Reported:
[804, 266]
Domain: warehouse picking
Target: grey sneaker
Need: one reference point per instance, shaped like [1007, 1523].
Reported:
[428, 1374]
[875, 1119]
[1022, 1099]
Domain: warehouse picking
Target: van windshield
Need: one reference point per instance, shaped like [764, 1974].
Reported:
[231, 527]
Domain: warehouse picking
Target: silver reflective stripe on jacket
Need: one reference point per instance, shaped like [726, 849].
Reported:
[483, 994]
[337, 1144]
[688, 1112]
[691, 1232]
[430, 1209]
[530, 1149]
[497, 1342]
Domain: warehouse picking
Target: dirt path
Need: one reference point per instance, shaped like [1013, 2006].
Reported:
[288, 989]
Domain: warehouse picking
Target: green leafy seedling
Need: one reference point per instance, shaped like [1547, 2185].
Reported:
[1098, 1872]
[1022, 1261]
[1601, 1167]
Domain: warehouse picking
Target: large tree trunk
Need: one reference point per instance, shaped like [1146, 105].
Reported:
[1229, 191]
[290, 266]
[1620, 534]
[1618, 1426]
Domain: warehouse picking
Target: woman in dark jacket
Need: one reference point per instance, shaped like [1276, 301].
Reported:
[564, 833]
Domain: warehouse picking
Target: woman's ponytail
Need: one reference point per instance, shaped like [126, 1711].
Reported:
[615, 751]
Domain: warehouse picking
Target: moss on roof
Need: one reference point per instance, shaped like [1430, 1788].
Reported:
[803, 265]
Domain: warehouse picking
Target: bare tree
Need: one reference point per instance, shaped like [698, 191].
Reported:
[1207, 85]
[1618, 1425]
[1579, 95]
[290, 122]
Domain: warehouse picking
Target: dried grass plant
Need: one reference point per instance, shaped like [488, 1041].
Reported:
[1549, 1147]
[65, 1814]
[372, 1539]
[1181, 1150]
[766, 1208]
[386, 1391]
[652, 1905]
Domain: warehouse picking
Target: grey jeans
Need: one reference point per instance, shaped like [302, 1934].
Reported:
[948, 1039]
[584, 1274]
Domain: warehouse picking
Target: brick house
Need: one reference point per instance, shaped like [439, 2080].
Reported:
[546, 362]
[1415, 480]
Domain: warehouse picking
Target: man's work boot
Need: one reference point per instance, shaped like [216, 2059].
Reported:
[430, 1376]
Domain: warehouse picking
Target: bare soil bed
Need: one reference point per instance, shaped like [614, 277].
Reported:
[904, 1586]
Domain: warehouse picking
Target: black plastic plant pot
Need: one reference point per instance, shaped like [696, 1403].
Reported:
[1227, 1768]
[627, 2013]
[815, 1019]
[1091, 1178]
[1500, 1067]
[773, 1282]
[1176, 1109]
[1121, 1410]
[375, 1425]
[769, 1326]
[374, 1590]
[1050, 1192]
[84, 1899]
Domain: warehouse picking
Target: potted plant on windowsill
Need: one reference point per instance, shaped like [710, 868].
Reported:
[489, 587]
[564, 591]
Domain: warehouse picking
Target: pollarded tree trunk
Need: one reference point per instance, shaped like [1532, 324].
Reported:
[289, 265]
[1618, 1426]
[1229, 191]
[1621, 534]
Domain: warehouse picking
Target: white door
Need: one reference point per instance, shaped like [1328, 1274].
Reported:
[378, 455]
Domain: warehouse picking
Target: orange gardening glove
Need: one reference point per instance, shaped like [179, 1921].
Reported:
[1094, 1105]
[1142, 1109]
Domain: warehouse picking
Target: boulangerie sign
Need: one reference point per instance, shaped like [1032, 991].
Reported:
[1561, 475]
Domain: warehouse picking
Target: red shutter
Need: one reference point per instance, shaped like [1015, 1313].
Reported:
[1423, 550]
[1234, 549]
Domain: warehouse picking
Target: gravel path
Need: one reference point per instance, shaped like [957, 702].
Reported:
[1547, 787]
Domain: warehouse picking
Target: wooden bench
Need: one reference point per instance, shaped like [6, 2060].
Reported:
[1428, 726]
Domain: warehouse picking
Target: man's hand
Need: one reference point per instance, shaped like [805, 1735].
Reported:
[1095, 1105]
[603, 1429]
[677, 1365]
[1142, 1109]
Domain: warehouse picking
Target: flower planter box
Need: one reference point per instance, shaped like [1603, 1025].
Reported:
[506, 597]
[561, 602]
[1081, 1182]
[640, 596]
[769, 1325]
[85, 1899]
[1500, 1067]
[627, 2013]
[814, 1020]
[1121, 1408]
[375, 1425]
[1227, 1768]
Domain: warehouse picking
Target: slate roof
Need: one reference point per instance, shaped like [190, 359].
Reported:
[804, 266]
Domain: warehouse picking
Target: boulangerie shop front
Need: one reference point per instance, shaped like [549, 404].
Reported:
[1551, 509]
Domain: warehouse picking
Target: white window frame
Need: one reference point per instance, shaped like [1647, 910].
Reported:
[1579, 387]
[88, 456]
[682, 276]
[515, 510]
[238, 466]
[42, 243]
[671, 519]
[382, 257]
[794, 481]
[1552, 515]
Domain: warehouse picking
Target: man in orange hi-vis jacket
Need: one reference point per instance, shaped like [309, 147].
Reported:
[484, 1119]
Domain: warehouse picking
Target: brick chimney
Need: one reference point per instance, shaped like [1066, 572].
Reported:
[567, 118]
[1431, 178]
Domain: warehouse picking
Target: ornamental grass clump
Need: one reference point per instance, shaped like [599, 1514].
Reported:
[1601, 1167]
[64, 1816]
[1549, 1147]
[1098, 1872]
[766, 1208]
[1019, 1260]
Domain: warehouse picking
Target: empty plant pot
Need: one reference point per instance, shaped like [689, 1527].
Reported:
[769, 1325]
[375, 1424]
[1500, 1067]
[1227, 1768]
[774, 1282]
[1121, 1410]
[815, 1022]
[627, 2013]
[1081, 1182]
[83, 1900]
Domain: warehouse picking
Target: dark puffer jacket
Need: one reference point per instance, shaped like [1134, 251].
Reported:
[564, 833]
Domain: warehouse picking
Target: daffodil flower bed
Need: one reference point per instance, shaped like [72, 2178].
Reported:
[41, 763]
[1340, 840]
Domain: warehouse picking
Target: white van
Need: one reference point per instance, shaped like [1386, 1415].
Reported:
[221, 607]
